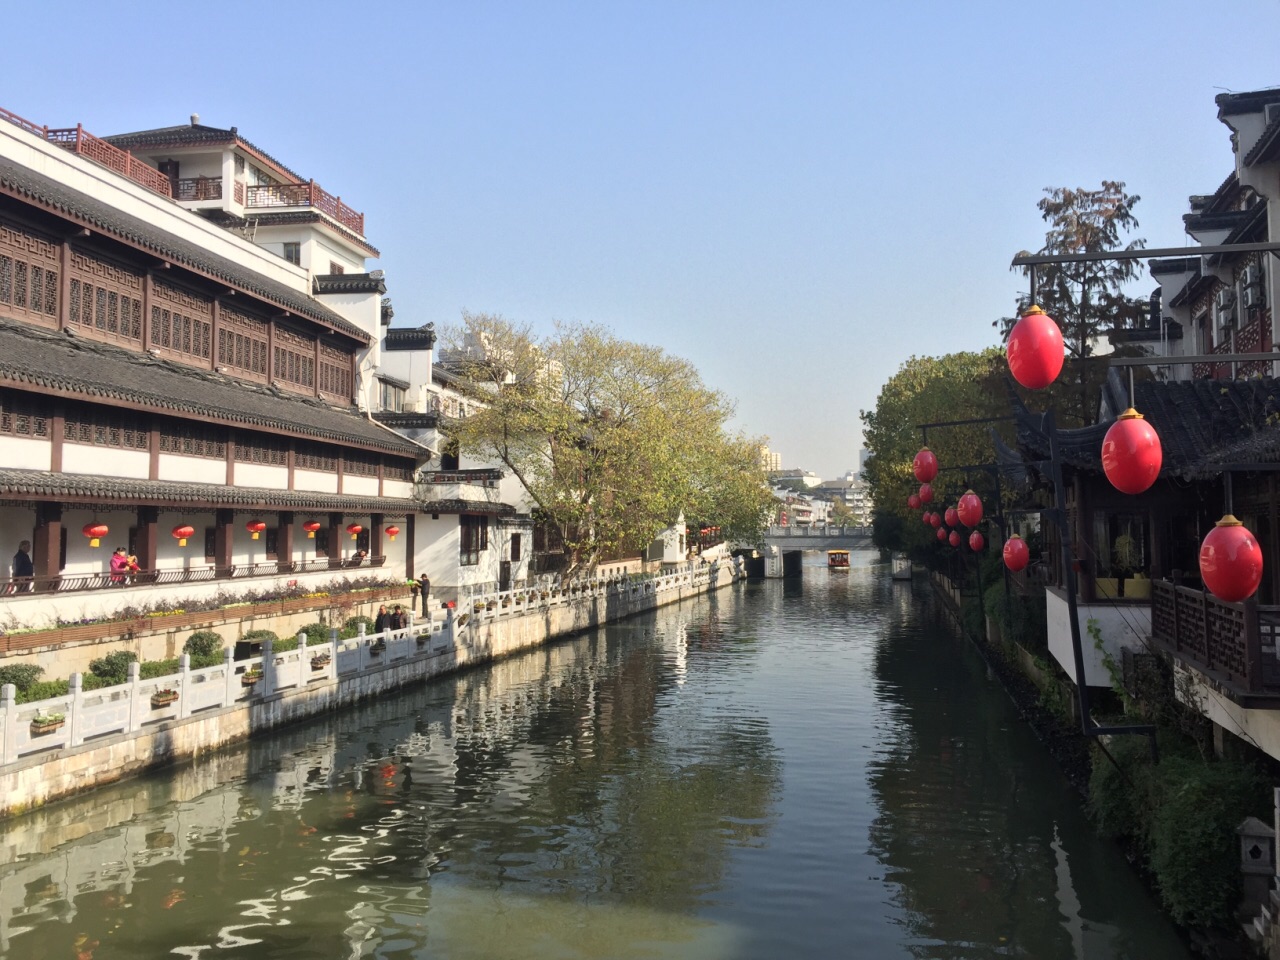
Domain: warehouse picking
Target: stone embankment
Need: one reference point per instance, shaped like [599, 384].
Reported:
[56, 748]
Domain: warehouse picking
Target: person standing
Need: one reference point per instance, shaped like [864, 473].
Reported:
[119, 565]
[398, 619]
[424, 588]
[23, 569]
[382, 621]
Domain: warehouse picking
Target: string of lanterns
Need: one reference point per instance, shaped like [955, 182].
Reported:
[967, 511]
[95, 531]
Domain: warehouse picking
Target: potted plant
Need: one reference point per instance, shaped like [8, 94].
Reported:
[162, 698]
[251, 676]
[462, 620]
[477, 607]
[379, 645]
[320, 661]
[491, 605]
[43, 723]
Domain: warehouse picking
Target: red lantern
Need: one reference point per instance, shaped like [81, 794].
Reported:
[1131, 453]
[925, 465]
[927, 517]
[954, 538]
[976, 542]
[95, 532]
[935, 519]
[182, 534]
[942, 534]
[1016, 553]
[926, 493]
[392, 532]
[311, 526]
[1035, 350]
[913, 501]
[355, 530]
[969, 509]
[255, 527]
[1231, 561]
[950, 518]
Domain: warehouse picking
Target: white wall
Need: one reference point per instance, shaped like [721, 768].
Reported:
[105, 461]
[312, 480]
[261, 475]
[24, 453]
[397, 488]
[1122, 626]
[193, 469]
[1259, 727]
[360, 486]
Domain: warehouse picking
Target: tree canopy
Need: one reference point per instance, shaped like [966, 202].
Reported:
[611, 440]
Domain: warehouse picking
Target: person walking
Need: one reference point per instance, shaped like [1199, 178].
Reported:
[382, 621]
[23, 569]
[398, 619]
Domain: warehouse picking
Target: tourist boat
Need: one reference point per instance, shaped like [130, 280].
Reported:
[837, 559]
[901, 567]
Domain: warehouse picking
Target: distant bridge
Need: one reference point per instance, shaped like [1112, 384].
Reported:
[817, 538]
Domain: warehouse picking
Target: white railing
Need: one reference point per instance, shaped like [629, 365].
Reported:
[820, 531]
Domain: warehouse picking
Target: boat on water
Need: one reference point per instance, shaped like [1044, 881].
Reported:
[901, 567]
[837, 559]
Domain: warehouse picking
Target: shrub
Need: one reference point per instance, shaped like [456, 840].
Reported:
[43, 690]
[114, 667]
[317, 633]
[261, 636]
[21, 675]
[282, 646]
[150, 669]
[1022, 621]
[210, 660]
[352, 627]
[202, 643]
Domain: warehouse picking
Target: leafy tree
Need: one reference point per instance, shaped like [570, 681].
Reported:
[610, 440]
[1086, 299]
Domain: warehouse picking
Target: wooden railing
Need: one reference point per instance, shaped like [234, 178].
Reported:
[239, 192]
[27, 125]
[78, 140]
[308, 194]
[199, 188]
[1235, 640]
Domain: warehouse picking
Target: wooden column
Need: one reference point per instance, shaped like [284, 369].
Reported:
[284, 542]
[153, 446]
[335, 540]
[231, 458]
[57, 436]
[292, 461]
[148, 296]
[315, 352]
[64, 292]
[409, 544]
[224, 531]
[46, 544]
[375, 535]
[148, 537]
[215, 328]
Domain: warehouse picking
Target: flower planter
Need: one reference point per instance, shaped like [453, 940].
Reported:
[162, 698]
[249, 679]
[462, 620]
[41, 727]
[320, 662]
[377, 647]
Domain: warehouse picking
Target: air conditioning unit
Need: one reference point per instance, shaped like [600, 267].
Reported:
[1254, 297]
[1252, 275]
[1225, 299]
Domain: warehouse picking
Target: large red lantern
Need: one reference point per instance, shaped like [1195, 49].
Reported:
[969, 509]
[936, 519]
[976, 541]
[926, 493]
[925, 465]
[311, 526]
[1131, 453]
[95, 532]
[1016, 553]
[954, 538]
[949, 517]
[255, 527]
[1035, 350]
[355, 530]
[393, 531]
[1231, 561]
[913, 501]
[942, 534]
[182, 533]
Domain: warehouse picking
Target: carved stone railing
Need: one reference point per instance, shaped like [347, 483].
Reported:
[1236, 641]
[199, 188]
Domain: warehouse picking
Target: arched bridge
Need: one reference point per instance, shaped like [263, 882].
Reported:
[817, 538]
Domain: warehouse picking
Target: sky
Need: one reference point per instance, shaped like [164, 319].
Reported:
[795, 196]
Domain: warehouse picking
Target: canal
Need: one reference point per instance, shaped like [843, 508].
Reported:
[809, 769]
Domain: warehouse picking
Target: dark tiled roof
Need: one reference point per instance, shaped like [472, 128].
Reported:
[1228, 220]
[310, 216]
[404, 338]
[1254, 101]
[43, 484]
[166, 245]
[1268, 145]
[347, 283]
[1174, 265]
[191, 135]
[394, 381]
[33, 358]
[408, 420]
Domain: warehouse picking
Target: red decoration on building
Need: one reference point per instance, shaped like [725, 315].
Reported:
[942, 533]
[1016, 553]
[311, 526]
[926, 493]
[95, 532]
[1035, 350]
[182, 534]
[355, 530]
[255, 527]
[954, 538]
[393, 532]
[969, 509]
[949, 517]
[976, 542]
[936, 519]
[925, 465]
[1231, 561]
[1131, 453]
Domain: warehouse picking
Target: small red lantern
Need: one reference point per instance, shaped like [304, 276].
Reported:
[976, 542]
[913, 501]
[392, 532]
[1131, 453]
[942, 534]
[182, 533]
[95, 532]
[954, 538]
[355, 530]
[936, 519]
[926, 493]
[1035, 350]
[1231, 561]
[949, 517]
[927, 517]
[1016, 553]
[969, 509]
[925, 465]
[255, 527]
[311, 526]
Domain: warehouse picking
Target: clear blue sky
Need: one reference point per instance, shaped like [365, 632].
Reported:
[794, 196]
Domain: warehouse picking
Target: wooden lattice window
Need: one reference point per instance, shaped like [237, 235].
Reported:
[295, 361]
[193, 440]
[21, 417]
[28, 275]
[102, 428]
[274, 453]
[181, 323]
[106, 299]
[315, 457]
[360, 464]
[397, 470]
[242, 344]
[335, 372]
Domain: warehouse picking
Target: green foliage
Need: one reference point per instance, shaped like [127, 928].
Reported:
[888, 530]
[352, 627]
[1022, 620]
[43, 690]
[317, 633]
[21, 675]
[971, 617]
[285, 645]
[150, 669]
[203, 643]
[114, 667]
[261, 636]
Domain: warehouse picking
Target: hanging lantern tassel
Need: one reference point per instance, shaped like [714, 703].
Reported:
[1016, 553]
[1231, 561]
[969, 509]
[976, 542]
[925, 465]
[1035, 350]
[1131, 453]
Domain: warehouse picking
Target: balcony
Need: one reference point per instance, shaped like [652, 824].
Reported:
[472, 486]
[198, 188]
[310, 194]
